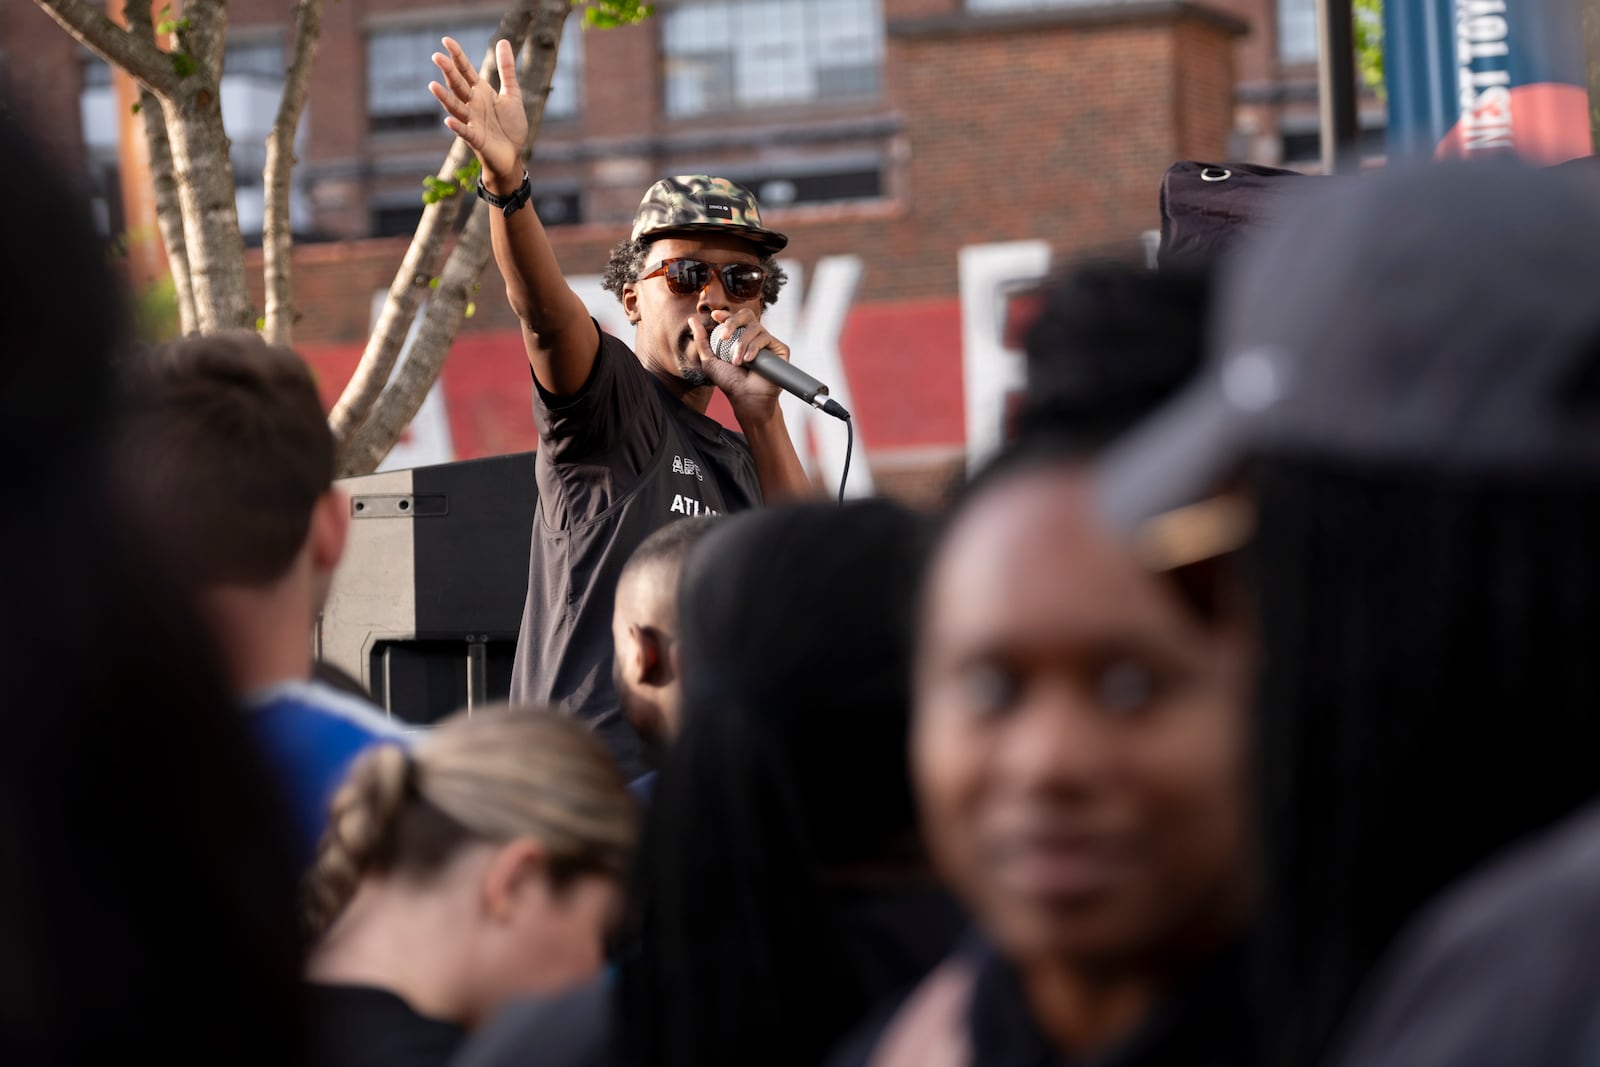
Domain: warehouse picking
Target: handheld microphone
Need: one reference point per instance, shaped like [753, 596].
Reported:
[779, 372]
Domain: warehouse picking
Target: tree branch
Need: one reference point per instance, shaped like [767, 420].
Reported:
[410, 283]
[91, 27]
[366, 446]
[277, 226]
[207, 35]
[210, 212]
[446, 308]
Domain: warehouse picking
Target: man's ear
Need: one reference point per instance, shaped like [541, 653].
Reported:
[649, 654]
[665, 668]
[630, 302]
[514, 868]
[330, 528]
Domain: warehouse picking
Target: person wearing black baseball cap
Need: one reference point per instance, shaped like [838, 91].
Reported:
[625, 444]
[1402, 422]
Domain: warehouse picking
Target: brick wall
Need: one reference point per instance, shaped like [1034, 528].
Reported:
[1055, 123]
[1050, 125]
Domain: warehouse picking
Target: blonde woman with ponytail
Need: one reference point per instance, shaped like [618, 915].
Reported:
[481, 865]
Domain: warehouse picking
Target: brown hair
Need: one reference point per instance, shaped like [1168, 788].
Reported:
[501, 774]
[226, 452]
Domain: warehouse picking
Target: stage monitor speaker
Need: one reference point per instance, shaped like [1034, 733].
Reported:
[427, 602]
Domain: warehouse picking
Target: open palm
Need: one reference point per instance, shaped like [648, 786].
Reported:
[493, 124]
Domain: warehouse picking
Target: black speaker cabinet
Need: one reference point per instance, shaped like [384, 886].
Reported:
[427, 601]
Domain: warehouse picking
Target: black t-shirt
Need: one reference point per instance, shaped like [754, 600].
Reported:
[361, 1026]
[617, 461]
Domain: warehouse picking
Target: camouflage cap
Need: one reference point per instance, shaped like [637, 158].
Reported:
[699, 203]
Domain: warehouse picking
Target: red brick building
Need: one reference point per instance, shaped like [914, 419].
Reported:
[898, 132]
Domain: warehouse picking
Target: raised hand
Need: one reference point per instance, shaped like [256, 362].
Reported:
[494, 124]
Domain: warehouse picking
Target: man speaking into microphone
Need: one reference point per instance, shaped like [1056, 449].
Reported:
[625, 444]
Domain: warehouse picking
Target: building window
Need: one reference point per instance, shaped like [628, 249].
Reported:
[253, 73]
[252, 85]
[100, 124]
[395, 217]
[1297, 31]
[843, 181]
[726, 55]
[399, 69]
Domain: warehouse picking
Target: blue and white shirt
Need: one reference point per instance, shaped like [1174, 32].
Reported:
[309, 734]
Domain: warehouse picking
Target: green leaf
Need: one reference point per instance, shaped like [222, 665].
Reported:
[183, 64]
[608, 14]
[433, 283]
[261, 323]
[136, 107]
[472, 309]
[467, 173]
[436, 189]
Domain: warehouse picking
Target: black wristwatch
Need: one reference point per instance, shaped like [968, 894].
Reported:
[507, 204]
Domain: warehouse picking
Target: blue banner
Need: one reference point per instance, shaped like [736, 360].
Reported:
[1468, 78]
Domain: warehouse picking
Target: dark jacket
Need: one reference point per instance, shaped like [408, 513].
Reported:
[1504, 971]
[1203, 1022]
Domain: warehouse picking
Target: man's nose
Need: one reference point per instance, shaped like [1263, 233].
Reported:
[713, 297]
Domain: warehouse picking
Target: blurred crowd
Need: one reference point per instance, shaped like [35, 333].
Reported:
[1242, 712]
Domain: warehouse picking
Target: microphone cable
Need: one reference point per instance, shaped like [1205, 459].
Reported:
[832, 407]
[849, 446]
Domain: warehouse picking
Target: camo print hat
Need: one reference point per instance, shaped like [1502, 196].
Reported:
[699, 203]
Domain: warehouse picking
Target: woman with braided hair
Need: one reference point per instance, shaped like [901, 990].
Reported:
[480, 865]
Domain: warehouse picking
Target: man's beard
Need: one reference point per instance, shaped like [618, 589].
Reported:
[693, 377]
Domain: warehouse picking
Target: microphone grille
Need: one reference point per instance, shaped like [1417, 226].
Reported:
[722, 342]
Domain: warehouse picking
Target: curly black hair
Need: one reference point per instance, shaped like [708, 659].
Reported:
[628, 259]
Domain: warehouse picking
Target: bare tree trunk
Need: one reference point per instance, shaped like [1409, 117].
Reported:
[410, 284]
[365, 448]
[163, 183]
[210, 215]
[204, 169]
[169, 213]
[206, 37]
[277, 226]
[186, 84]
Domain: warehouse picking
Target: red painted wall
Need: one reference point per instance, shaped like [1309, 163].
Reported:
[903, 360]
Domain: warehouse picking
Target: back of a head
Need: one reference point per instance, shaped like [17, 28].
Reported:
[1429, 591]
[796, 627]
[800, 618]
[1428, 697]
[226, 453]
[141, 871]
[661, 556]
[494, 776]
[1113, 340]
